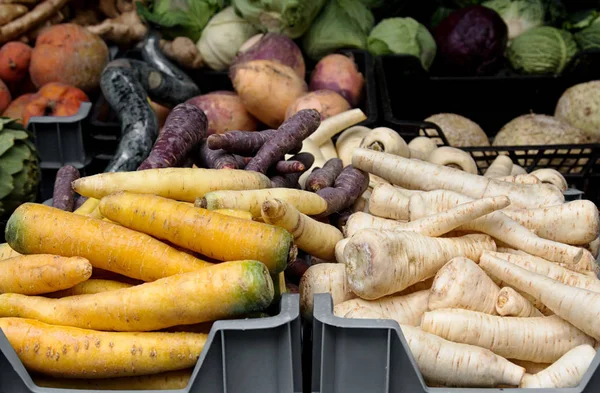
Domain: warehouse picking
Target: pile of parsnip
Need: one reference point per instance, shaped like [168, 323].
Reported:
[492, 279]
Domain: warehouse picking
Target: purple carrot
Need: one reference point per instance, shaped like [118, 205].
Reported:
[324, 177]
[348, 186]
[246, 143]
[215, 159]
[289, 135]
[63, 197]
[297, 267]
[291, 180]
[241, 161]
[287, 167]
[184, 130]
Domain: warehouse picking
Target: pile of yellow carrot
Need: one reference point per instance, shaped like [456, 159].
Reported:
[493, 279]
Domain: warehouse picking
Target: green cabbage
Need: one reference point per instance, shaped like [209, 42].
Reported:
[542, 50]
[589, 37]
[288, 17]
[403, 36]
[519, 15]
[342, 24]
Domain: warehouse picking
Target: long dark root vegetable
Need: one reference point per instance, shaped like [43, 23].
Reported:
[348, 186]
[297, 267]
[63, 197]
[289, 135]
[215, 159]
[246, 143]
[324, 177]
[184, 130]
[287, 167]
[291, 180]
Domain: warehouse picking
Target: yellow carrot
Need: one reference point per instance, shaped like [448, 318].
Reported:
[235, 213]
[89, 287]
[62, 351]
[87, 207]
[183, 184]
[212, 234]
[224, 290]
[39, 229]
[7, 252]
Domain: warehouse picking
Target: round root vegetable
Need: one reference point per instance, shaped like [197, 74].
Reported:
[520, 179]
[184, 130]
[517, 170]
[380, 263]
[212, 234]
[575, 222]
[224, 290]
[500, 167]
[327, 102]
[63, 195]
[538, 339]
[511, 304]
[339, 250]
[406, 310]
[184, 184]
[6, 252]
[348, 186]
[335, 124]
[89, 287]
[324, 177]
[245, 143]
[388, 201]
[566, 372]
[579, 307]
[453, 364]
[349, 140]
[88, 354]
[267, 89]
[252, 200]
[454, 158]
[215, 159]
[314, 237]
[163, 381]
[275, 47]
[417, 174]
[32, 229]
[323, 278]
[421, 147]
[289, 136]
[462, 284]
[551, 176]
[37, 274]
[224, 111]
[338, 73]
[385, 140]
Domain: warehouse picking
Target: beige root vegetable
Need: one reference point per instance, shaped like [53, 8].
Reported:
[32, 19]
[125, 28]
[183, 51]
[323, 278]
[549, 269]
[520, 179]
[421, 147]
[380, 263]
[577, 306]
[420, 286]
[551, 176]
[462, 284]
[575, 222]
[406, 310]
[594, 247]
[311, 147]
[362, 312]
[518, 170]
[334, 124]
[511, 304]
[388, 201]
[531, 367]
[349, 140]
[385, 140]
[540, 339]
[566, 372]
[500, 167]
[9, 12]
[362, 203]
[361, 220]
[454, 158]
[499, 226]
[421, 175]
[314, 237]
[339, 250]
[328, 150]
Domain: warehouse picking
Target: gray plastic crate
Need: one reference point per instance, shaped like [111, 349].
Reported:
[371, 356]
[60, 140]
[240, 356]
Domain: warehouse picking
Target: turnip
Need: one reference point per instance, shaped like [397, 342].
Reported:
[275, 47]
[338, 73]
[462, 284]
[500, 167]
[577, 306]
[417, 174]
[225, 112]
[511, 304]
[323, 278]
[380, 263]
[385, 140]
[538, 339]
[349, 140]
[458, 130]
[566, 372]
[327, 102]
[421, 147]
[453, 158]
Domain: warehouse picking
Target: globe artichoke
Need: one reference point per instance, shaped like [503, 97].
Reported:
[19, 166]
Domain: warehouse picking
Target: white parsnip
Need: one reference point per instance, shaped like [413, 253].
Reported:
[501, 166]
[551, 176]
[417, 174]
[310, 146]
[511, 304]
[349, 140]
[406, 310]
[339, 250]
[328, 150]
[388, 201]
[566, 372]
[462, 284]
[453, 158]
[385, 140]
[335, 124]
[323, 278]
[538, 339]
[593, 247]
[520, 179]
[531, 367]
[360, 220]
[361, 312]
[575, 222]
[577, 306]
[380, 263]
[518, 170]
[421, 147]
[420, 286]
